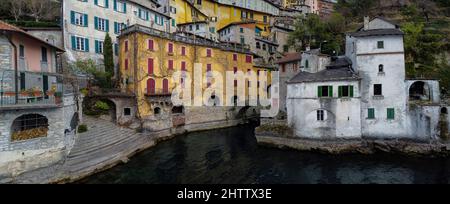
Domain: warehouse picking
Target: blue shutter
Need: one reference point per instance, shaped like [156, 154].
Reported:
[96, 2]
[116, 28]
[86, 44]
[96, 46]
[73, 43]
[124, 7]
[106, 3]
[96, 22]
[115, 5]
[156, 19]
[116, 49]
[72, 17]
[85, 20]
[107, 25]
[139, 13]
[146, 15]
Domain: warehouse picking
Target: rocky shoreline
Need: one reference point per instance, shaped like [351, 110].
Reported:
[362, 146]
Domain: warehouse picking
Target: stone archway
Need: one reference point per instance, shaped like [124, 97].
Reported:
[29, 126]
[419, 91]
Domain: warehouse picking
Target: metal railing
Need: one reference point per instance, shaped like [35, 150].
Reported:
[187, 39]
[158, 92]
[11, 99]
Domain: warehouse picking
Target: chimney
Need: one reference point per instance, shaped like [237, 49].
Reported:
[366, 22]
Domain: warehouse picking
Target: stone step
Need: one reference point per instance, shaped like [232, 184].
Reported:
[104, 152]
[97, 146]
[106, 139]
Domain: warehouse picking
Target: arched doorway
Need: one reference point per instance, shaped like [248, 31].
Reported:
[29, 126]
[74, 122]
[156, 110]
[151, 87]
[419, 91]
[444, 111]
[165, 86]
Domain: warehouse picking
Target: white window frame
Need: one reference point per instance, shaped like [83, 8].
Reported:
[79, 19]
[80, 43]
[101, 24]
[119, 7]
[101, 3]
[100, 46]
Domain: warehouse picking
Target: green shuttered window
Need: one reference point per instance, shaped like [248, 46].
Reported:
[390, 113]
[325, 91]
[345, 91]
[371, 113]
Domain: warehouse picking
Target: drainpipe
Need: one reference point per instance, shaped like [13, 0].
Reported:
[16, 72]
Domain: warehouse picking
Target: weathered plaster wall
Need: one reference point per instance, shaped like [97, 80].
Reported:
[21, 156]
[341, 118]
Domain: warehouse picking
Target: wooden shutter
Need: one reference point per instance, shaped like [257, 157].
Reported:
[150, 66]
[170, 64]
[96, 22]
[74, 46]
[86, 44]
[165, 86]
[115, 5]
[85, 19]
[319, 91]
[371, 113]
[351, 91]
[330, 91]
[72, 17]
[106, 25]
[340, 91]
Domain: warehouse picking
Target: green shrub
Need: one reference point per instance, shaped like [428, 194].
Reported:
[82, 128]
[85, 92]
[102, 106]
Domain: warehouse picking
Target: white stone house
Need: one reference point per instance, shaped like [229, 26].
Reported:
[365, 93]
[86, 22]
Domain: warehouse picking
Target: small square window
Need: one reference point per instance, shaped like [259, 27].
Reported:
[320, 115]
[380, 44]
[390, 114]
[127, 111]
[377, 90]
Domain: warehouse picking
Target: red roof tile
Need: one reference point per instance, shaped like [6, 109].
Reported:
[290, 57]
[8, 27]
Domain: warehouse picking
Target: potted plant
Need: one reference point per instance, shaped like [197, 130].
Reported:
[36, 91]
[51, 92]
[24, 93]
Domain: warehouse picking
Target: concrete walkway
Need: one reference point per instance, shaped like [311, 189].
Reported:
[104, 145]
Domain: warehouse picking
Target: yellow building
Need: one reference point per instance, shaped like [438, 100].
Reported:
[148, 58]
[220, 15]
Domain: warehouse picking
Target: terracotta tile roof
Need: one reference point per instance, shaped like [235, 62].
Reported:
[290, 57]
[10, 28]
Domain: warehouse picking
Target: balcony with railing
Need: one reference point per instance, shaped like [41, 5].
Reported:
[36, 91]
[30, 99]
[159, 95]
[186, 39]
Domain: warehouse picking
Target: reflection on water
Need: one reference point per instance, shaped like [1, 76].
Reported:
[232, 156]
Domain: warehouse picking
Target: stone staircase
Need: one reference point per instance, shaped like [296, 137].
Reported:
[103, 145]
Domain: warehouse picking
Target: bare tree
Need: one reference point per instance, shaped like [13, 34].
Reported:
[40, 9]
[17, 8]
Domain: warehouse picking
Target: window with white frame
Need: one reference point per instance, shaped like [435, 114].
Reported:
[98, 47]
[80, 43]
[159, 20]
[102, 3]
[120, 7]
[101, 24]
[173, 10]
[79, 19]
